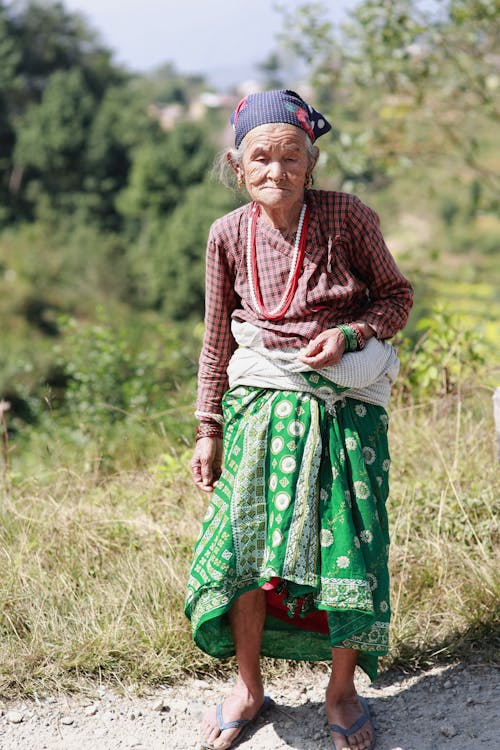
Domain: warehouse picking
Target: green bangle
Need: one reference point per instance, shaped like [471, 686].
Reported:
[351, 340]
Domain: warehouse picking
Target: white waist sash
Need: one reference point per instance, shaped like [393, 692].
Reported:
[368, 374]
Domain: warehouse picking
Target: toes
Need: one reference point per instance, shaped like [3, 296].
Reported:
[360, 741]
[211, 737]
[357, 742]
[368, 737]
[209, 733]
[223, 744]
[218, 740]
[340, 741]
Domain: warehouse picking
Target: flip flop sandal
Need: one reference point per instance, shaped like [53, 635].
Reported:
[365, 716]
[242, 724]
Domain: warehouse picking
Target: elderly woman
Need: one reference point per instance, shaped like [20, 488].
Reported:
[301, 295]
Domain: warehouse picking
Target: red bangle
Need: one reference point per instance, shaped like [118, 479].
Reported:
[359, 335]
[208, 429]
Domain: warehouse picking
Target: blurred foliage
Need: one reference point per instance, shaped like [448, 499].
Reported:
[105, 201]
[404, 83]
[449, 354]
[120, 125]
[51, 139]
[168, 258]
[162, 171]
[111, 377]
[111, 391]
[39, 40]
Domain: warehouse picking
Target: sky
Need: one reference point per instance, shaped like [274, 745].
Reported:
[221, 39]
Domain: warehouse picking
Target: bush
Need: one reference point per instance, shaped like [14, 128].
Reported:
[449, 353]
[112, 377]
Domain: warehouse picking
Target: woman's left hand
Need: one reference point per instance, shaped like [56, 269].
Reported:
[206, 463]
[324, 350]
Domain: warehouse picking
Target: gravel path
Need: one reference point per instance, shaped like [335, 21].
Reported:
[445, 707]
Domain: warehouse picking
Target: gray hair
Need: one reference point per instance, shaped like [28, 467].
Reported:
[223, 171]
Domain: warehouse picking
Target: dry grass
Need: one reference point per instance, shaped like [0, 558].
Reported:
[93, 583]
[94, 567]
[444, 505]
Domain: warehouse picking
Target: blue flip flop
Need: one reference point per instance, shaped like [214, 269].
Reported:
[365, 716]
[242, 724]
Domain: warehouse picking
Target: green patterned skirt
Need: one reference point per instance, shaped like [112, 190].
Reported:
[300, 511]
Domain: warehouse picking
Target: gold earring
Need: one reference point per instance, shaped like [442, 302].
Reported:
[241, 180]
[309, 182]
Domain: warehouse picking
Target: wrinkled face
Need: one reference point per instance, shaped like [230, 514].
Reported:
[276, 165]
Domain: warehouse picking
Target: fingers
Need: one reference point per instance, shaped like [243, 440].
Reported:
[202, 474]
[216, 472]
[325, 350]
[206, 470]
[206, 465]
[315, 346]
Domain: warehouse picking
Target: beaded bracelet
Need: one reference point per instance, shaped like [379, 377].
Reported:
[208, 429]
[351, 339]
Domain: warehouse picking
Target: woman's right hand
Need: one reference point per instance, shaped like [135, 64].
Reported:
[206, 464]
[325, 350]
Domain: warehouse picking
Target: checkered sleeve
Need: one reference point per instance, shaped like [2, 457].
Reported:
[218, 342]
[390, 293]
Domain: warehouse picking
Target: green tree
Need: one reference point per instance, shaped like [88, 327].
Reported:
[168, 265]
[37, 40]
[121, 123]
[166, 85]
[162, 170]
[52, 137]
[433, 75]
[405, 82]
[51, 38]
[10, 56]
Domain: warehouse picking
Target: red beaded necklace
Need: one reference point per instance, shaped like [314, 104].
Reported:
[278, 312]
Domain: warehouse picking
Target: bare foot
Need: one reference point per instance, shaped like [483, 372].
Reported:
[241, 704]
[345, 712]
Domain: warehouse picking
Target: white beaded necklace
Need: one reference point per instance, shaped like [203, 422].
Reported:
[291, 285]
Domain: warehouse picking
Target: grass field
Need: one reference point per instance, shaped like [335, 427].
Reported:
[94, 564]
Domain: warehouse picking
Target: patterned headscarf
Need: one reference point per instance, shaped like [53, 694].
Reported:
[279, 106]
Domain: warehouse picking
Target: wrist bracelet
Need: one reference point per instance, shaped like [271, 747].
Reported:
[359, 335]
[208, 429]
[350, 337]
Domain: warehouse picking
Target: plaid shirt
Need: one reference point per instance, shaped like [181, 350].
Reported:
[357, 279]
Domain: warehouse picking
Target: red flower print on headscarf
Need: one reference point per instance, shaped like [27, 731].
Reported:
[241, 105]
[303, 118]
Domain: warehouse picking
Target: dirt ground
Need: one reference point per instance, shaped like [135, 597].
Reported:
[446, 707]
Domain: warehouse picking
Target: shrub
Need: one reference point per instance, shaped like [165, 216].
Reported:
[449, 352]
[112, 377]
